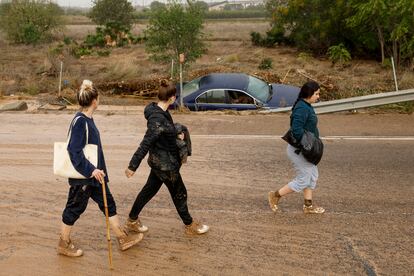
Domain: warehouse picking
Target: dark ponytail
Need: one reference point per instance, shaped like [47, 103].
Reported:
[307, 91]
[166, 90]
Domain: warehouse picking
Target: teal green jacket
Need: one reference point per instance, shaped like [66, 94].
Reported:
[303, 118]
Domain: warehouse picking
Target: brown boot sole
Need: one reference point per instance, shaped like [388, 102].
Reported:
[63, 252]
[130, 244]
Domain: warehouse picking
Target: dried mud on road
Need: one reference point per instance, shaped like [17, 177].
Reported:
[365, 185]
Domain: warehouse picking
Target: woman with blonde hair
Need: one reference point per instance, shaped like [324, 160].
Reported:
[83, 130]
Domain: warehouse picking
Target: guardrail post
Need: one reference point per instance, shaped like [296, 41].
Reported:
[394, 73]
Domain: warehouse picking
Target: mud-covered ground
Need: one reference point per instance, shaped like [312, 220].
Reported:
[366, 186]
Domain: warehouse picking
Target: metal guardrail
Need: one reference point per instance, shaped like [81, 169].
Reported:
[356, 102]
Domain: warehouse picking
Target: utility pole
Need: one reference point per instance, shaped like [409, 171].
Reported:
[181, 59]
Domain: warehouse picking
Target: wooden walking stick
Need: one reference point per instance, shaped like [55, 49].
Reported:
[108, 235]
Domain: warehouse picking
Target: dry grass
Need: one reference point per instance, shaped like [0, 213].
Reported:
[78, 32]
[214, 30]
[77, 20]
[233, 30]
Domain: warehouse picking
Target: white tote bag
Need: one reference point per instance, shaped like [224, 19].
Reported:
[62, 165]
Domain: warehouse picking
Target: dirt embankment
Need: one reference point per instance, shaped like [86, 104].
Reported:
[33, 70]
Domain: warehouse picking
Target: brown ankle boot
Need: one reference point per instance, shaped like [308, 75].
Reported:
[135, 226]
[67, 248]
[126, 241]
[196, 228]
[273, 201]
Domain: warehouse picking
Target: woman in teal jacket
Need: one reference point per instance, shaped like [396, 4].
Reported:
[303, 118]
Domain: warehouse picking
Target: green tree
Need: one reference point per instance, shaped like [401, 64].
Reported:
[311, 24]
[30, 21]
[156, 5]
[369, 28]
[118, 11]
[373, 15]
[393, 22]
[175, 29]
[405, 30]
[203, 6]
[4, 7]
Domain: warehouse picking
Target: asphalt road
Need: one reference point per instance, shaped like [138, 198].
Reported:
[366, 185]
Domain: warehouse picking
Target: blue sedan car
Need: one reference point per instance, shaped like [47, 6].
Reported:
[219, 91]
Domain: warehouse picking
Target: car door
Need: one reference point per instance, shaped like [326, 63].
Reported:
[239, 100]
[214, 99]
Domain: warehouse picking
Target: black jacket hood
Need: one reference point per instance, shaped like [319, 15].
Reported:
[152, 109]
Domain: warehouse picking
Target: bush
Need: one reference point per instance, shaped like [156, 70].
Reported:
[30, 34]
[103, 53]
[31, 89]
[256, 38]
[67, 40]
[304, 57]
[106, 11]
[82, 51]
[111, 35]
[96, 40]
[272, 37]
[339, 54]
[266, 64]
[30, 22]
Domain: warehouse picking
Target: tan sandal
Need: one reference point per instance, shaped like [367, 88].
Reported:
[313, 209]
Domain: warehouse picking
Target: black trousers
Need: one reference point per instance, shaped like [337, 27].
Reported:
[176, 187]
[78, 201]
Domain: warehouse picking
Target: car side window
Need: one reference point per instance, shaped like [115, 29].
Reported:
[238, 97]
[217, 96]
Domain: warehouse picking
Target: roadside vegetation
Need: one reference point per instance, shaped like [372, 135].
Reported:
[374, 29]
[337, 43]
[30, 22]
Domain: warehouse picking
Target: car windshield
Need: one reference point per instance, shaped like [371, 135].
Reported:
[191, 87]
[258, 89]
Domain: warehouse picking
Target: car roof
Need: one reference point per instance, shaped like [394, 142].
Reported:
[224, 80]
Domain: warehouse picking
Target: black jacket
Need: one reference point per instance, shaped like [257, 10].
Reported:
[184, 146]
[159, 140]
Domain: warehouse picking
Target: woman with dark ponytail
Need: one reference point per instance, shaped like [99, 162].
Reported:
[164, 160]
[303, 118]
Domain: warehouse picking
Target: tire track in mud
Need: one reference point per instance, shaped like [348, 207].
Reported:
[369, 267]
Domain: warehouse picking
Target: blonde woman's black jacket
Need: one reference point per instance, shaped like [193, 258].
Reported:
[159, 141]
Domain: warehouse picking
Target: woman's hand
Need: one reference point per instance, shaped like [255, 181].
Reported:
[129, 173]
[98, 175]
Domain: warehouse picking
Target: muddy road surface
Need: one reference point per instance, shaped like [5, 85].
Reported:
[366, 185]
